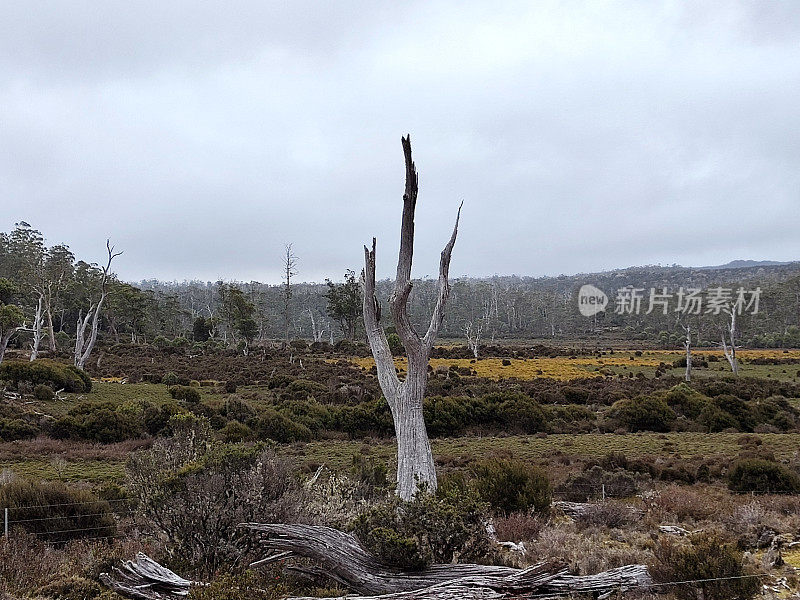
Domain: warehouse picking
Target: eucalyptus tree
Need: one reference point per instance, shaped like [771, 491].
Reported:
[344, 303]
[84, 345]
[414, 457]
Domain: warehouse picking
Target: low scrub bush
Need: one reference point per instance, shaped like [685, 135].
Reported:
[758, 475]
[52, 511]
[643, 414]
[190, 483]
[17, 429]
[717, 565]
[185, 393]
[511, 486]
[429, 529]
[47, 372]
[99, 422]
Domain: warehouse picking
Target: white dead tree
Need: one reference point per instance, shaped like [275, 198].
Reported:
[730, 352]
[38, 321]
[687, 343]
[414, 457]
[84, 347]
[316, 332]
[473, 335]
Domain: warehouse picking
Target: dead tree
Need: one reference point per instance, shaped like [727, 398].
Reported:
[316, 332]
[473, 335]
[414, 457]
[289, 271]
[687, 343]
[84, 347]
[38, 321]
[730, 352]
[340, 557]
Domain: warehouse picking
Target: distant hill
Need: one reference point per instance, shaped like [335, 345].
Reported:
[746, 264]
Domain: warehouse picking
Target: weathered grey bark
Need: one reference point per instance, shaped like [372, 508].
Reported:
[688, 345]
[37, 328]
[83, 348]
[343, 559]
[414, 458]
[5, 338]
[473, 335]
[730, 352]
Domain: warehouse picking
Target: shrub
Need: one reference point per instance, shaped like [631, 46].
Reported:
[276, 426]
[412, 535]
[189, 483]
[590, 484]
[54, 512]
[606, 514]
[395, 345]
[230, 387]
[643, 413]
[185, 393]
[43, 393]
[707, 558]
[99, 422]
[234, 431]
[70, 587]
[169, 378]
[17, 429]
[511, 486]
[758, 475]
[521, 413]
[54, 374]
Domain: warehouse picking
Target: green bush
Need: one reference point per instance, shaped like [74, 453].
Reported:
[54, 512]
[428, 529]
[271, 424]
[715, 564]
[43, 393]
[99, 422]
[70, 587]
[643, 413]
[48, 372]
[185, 393]
[511, 486]
[234, 431]
[758, 475]
[521, 413]
[17, 429]
[169, 379]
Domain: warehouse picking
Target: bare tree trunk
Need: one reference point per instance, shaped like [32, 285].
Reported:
[730, 353]
[414, 457]
[51, 334]
[688, 345]
[473, 334]
[4, 339]
[37, 328]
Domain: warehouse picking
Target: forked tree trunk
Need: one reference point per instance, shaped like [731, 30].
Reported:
[414, 458]
[83, 347]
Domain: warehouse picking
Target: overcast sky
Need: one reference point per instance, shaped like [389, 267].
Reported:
[203, 136]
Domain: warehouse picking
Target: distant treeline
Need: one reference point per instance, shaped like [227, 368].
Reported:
[500, 307]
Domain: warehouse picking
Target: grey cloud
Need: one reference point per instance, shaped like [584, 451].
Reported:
[581, 136]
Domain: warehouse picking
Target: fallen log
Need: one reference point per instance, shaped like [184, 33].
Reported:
[342, 558]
